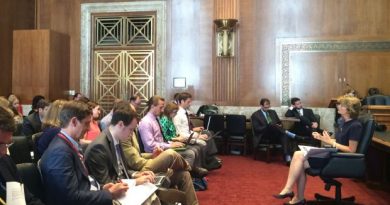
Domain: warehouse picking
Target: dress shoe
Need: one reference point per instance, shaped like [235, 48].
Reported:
[199, 172]
[288, 163]
[171, 196]
[301, 202]
[282, 196]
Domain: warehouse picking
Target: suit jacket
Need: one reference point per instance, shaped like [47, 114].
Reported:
[65, 179]
[32, 124]
[259, 124]
[134, 158]
[303, 127]
[101, 160]
[9, 172]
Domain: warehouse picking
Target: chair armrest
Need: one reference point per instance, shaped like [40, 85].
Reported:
[346, 155]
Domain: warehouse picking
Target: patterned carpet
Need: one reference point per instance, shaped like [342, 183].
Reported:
[244, 181]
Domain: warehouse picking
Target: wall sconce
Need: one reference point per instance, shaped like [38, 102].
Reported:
[224, 35]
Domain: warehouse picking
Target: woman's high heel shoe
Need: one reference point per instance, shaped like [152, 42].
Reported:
[301, 202]
[282, 196]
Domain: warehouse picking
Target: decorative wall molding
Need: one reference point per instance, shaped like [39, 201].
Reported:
[286, 46]
[136, 6]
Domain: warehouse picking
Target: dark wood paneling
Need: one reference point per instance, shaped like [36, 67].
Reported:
[13, 15]
[40, 64]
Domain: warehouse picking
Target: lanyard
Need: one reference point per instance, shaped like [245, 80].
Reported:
[69, 143]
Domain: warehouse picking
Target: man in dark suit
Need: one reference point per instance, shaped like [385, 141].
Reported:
[106, 161]
[8, 171]
[33, 123]
[307, 121]
[104, 157]
[266, 123]
[64, 173]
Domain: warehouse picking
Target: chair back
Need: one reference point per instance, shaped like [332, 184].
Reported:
[215, 123]
[378, 100]
[35, 138]
[139, 139]
[31, 178]
[368, 125]
[236, 124]
[21, 149]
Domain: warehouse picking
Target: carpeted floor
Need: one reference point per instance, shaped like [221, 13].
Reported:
[244, 181]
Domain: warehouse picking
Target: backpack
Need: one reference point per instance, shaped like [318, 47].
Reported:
[207, 110]
[200, 184]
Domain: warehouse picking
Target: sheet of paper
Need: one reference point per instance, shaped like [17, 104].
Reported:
[15, 193]
[136, 195]
[319, 152]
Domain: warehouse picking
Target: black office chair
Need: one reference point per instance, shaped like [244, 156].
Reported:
[35, 138]
[236, 132]
[265, 145]
[216, 124]
[344, 165]
[139, 139]
[378, 100]
[31, 177]
[21, 149]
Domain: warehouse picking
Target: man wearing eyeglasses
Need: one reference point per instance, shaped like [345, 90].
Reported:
[8, 171]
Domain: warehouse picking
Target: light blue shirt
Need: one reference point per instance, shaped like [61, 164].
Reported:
[75, 144]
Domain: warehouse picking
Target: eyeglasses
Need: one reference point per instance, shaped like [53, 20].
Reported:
[7, 145]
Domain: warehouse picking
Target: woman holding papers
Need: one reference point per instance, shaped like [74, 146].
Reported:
[347, 139]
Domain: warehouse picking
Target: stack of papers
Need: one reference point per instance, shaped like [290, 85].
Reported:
[136, 195]
[319, 152]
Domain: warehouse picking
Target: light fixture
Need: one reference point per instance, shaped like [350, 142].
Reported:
[224, 35]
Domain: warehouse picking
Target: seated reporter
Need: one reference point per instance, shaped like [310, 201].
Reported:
[347, 139]
[161, 161]
[104, 157]
[8, 170]
[65, 176]
[50, 126]
[106, 160]
[152, 136]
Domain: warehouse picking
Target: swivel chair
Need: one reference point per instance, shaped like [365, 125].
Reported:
[344, 165]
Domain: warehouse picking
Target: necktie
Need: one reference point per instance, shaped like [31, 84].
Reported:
[269, 120]
[190, 125]
[161, 130]
[122, 167]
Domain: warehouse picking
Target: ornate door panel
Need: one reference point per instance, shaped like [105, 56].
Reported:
[123, 59]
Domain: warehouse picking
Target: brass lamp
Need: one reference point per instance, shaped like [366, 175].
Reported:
[225, 37]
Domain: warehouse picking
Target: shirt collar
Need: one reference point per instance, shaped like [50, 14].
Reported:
[181, 110]
[116, 141]
[76, 144]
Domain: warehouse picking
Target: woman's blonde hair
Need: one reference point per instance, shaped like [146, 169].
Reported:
[4, 102]
[169, 108]
[352, 104]
[51, 118]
